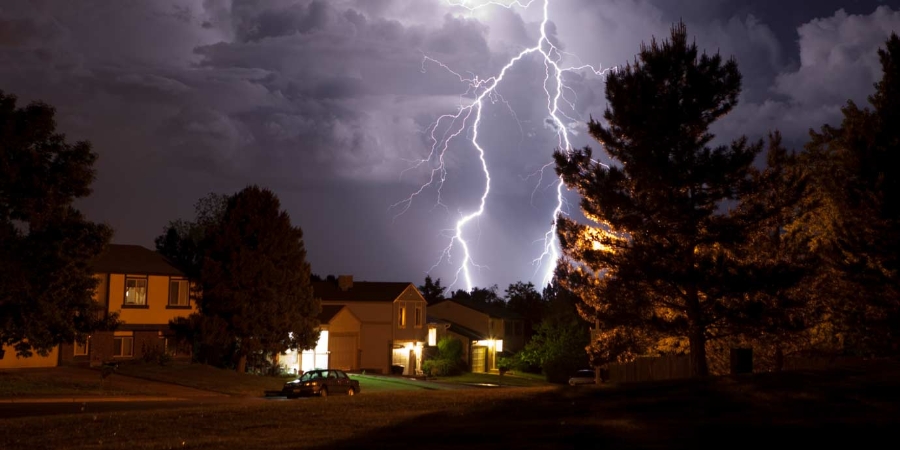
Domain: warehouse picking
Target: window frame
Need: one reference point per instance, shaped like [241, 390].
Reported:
[146, 281]
[183, 283]
[401, 319]
[121, 346]
[418, 318]
[86, 345]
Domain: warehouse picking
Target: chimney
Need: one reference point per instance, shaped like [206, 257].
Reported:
[345, 282]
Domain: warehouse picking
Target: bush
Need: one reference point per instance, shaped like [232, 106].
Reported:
[450, 349]
[441, 368]
[155, 354]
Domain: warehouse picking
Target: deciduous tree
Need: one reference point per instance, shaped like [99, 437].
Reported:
[46, 245]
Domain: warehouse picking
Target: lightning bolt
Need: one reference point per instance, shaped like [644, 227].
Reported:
[468, 116]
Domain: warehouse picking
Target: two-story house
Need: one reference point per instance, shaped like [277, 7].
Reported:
[147, 292]
[391, 325]
[486, 330]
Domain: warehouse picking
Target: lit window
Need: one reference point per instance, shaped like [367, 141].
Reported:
[401, 320]
[418, 317]
[123, 346]
[81, 348]
[432, 337]
[178, 293]
[135, 291]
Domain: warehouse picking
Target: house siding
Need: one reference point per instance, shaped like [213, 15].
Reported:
[11, 361]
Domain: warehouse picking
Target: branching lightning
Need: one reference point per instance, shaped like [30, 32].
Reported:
[468, 116]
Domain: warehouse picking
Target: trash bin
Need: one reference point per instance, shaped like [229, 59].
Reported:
[397, 369]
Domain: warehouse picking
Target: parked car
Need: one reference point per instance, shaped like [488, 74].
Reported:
[585, 376]
[322, 382]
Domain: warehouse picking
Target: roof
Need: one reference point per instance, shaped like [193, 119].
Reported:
[491, 310]
[133, 259]
[328, 312]
[361, 291]
[457, 328]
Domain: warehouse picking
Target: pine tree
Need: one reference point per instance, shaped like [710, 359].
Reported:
[666, 258]
[432, 290]
[855, 213]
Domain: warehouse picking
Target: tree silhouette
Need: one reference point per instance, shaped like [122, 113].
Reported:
[255, 278]
[432, 291]
[664, 257]
[854, 220]
[46, 245]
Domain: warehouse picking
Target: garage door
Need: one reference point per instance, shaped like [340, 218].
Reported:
[343, 352]
[478, 357]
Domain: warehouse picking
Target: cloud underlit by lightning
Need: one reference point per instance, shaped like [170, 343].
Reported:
[466, 122]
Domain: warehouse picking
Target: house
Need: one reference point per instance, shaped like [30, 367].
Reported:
[391, 325]
[147, 292]
[337, 347]
[485, 330]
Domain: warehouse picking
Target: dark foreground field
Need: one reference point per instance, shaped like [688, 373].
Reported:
[849, 408]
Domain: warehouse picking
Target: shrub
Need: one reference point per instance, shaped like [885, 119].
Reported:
[441, 367]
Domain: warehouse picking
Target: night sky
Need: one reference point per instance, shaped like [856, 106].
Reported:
[327, 104]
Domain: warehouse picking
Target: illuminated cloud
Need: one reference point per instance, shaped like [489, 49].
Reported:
[326, 102]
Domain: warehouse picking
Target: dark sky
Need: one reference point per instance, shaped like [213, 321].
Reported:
[331, 104]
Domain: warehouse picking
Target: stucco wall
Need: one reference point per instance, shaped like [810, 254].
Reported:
[157, 310]
[11, 361]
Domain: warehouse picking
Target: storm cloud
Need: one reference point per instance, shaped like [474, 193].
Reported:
[331, 104]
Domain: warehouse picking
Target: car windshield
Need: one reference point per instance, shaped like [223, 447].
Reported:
[309, 376]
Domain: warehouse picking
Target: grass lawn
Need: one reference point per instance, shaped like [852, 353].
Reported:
[515, 379]
[205, 377]
[855, 407]
[62, 382]
[381, 384]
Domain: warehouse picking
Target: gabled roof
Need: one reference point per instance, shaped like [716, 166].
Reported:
[361, 291]
[133, 259]
[495, 311]
[458, 329]
[328, 312]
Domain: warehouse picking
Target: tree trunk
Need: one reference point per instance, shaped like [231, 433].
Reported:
[697, 340]
[696, 334]
[242, 364]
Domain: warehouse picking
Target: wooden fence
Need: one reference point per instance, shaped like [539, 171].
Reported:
[651, 368]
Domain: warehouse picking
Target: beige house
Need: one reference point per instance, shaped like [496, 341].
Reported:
[485, 330]
[387, 328]
[337, 347]
[146, 290]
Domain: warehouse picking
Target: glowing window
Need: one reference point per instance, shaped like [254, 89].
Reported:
[135, 291]
[432, 337]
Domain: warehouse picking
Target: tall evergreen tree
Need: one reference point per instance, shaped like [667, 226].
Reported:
[665, 252]
[256, 280]
[46, 245]
[855, 223]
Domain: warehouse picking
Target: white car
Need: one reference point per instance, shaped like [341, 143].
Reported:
[585, 376]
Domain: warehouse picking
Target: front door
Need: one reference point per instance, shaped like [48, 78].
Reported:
[479, 354]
